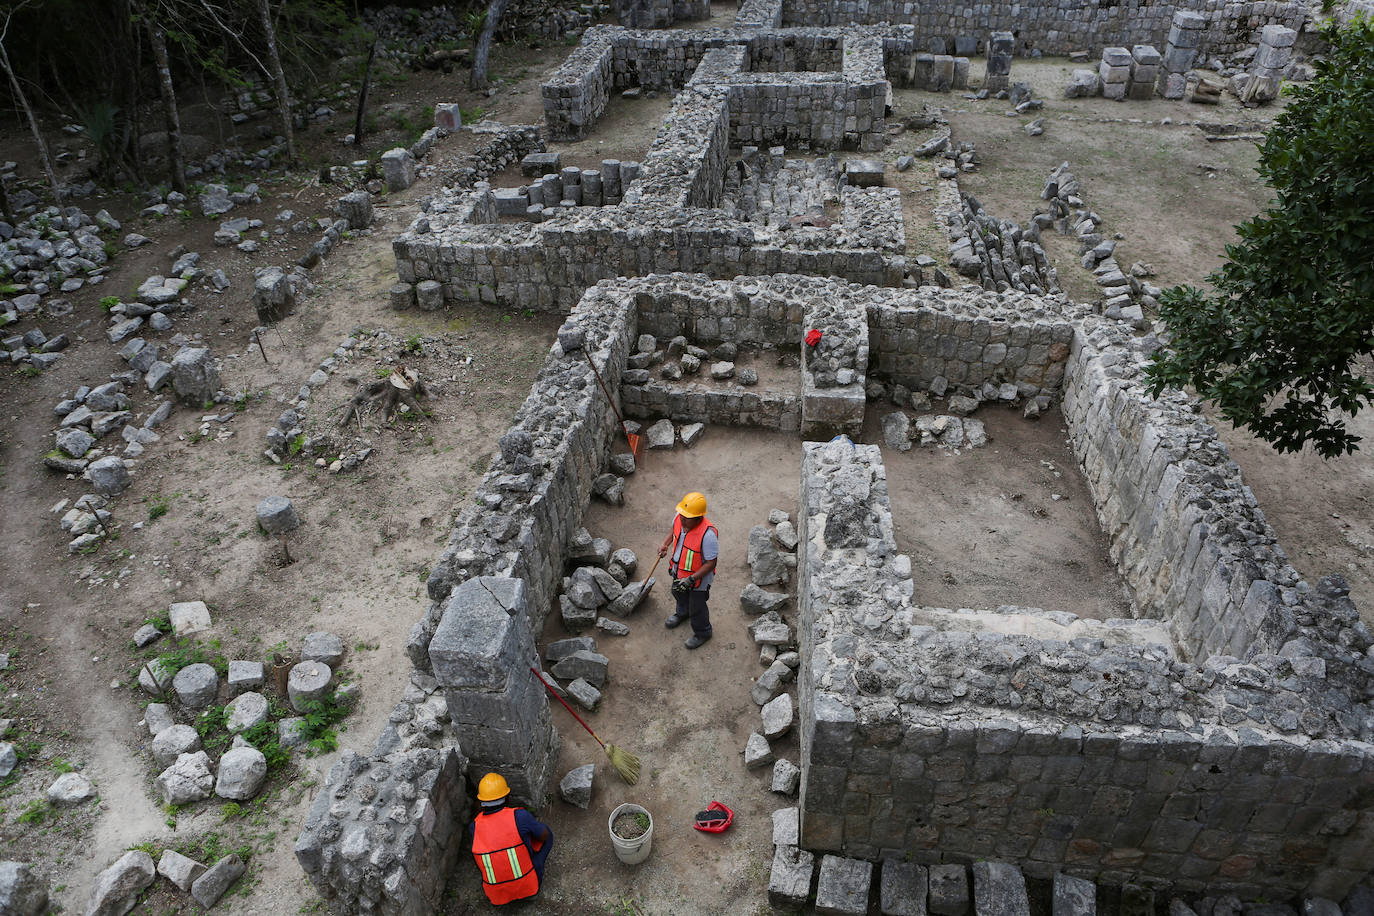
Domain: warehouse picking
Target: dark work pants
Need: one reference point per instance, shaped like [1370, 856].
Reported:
[539, 858]
[693, 606]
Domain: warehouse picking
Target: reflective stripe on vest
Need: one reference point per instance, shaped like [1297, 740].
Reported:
[502, 858]
[690, 555]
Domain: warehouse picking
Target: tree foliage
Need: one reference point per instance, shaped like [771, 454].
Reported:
[1277, 345]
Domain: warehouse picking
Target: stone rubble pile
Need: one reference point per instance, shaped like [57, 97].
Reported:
[569, 187]
[53, 250]
[1000, 254]
[1123, 293]
[600, 578]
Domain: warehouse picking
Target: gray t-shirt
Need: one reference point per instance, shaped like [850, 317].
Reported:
[710, 549]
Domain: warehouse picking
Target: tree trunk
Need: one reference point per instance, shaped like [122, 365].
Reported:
[362, 96]
[278, 77]
[5, 210]
[478, 79]
[44, 159]
[176, 167]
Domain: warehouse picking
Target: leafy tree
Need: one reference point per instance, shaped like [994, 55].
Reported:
[1277, 345]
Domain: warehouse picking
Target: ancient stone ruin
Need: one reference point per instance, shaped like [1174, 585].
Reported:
[1218, 741]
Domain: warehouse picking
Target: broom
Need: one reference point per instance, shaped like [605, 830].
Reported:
[633, 440]
[625, 763]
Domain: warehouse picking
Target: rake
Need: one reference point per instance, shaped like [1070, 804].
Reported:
[625, 763]
[635, 441]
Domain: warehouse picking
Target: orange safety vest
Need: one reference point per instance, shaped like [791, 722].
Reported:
[503, 859]
[689, 561]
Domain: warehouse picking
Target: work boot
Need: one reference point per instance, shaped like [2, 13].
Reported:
[697, 640]
[676, 620]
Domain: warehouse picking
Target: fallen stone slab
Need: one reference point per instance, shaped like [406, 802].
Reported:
[999, 889]
[787, 827]
[179, 869]
[842, 889]
[777, 715]
[756, 601]
[245, 711]
[786, 777]
[785, 536]
[902, 888]
[117, 888]
[590, 666]
[769, 684]
[244, 675]
[757, 752]
[771, 630]
[585, 695]
[562, 648]
[189, 617]
[576, 786]
[323, 647]
[212, 885]
[661, 434]
[613, 627]
[789, 881]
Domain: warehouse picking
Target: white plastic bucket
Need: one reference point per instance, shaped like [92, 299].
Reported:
[631, 852]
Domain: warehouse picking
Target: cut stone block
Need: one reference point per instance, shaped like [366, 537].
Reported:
[787, 827]
[864, 173]
[789, 881]
[398, 168]
[754, 600]
[949, 890]
[777, 716]
[842, 889]
[178, 869]
[902, 888]
[576, 786]
[999, 889]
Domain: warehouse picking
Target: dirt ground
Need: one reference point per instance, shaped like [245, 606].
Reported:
[687, 714]
[1009, 523]
[984, 523]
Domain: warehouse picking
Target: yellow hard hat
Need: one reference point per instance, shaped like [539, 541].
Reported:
[693, 505]
[492, 788]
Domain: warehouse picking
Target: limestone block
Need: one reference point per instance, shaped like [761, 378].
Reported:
[843, 886]
[789, 881]
[398, 169]
[999, 889]
[902, 888]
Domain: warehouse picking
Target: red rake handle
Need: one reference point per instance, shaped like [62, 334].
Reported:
[566, 706]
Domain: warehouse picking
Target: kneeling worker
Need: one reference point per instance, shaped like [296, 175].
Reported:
[509, 845]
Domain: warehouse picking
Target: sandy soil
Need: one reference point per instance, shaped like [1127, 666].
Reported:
[1009, 523]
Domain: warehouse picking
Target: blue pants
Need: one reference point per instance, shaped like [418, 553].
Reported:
[537, 859]
[693, 606]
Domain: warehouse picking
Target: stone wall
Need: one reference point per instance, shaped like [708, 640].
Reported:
[659, 14]
[1055, 27]
[1104, 758]
[731, 405]
[937, 339]
[547, 266]
[385, 833]
[611, 58]
[1183, 528]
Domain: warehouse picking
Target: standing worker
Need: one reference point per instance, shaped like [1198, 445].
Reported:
[694, 545]
[509, 845]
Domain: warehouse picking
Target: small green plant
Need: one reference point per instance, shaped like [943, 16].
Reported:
[63, 766]
[161, 619]
[28, 372]
[414, 344]
[231, 810]
[296, 445]
[108, 303]
[35, 812]
[158, 507]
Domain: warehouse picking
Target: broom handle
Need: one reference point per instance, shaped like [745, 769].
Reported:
[567, 707]
[609, 399]
[651, 573]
